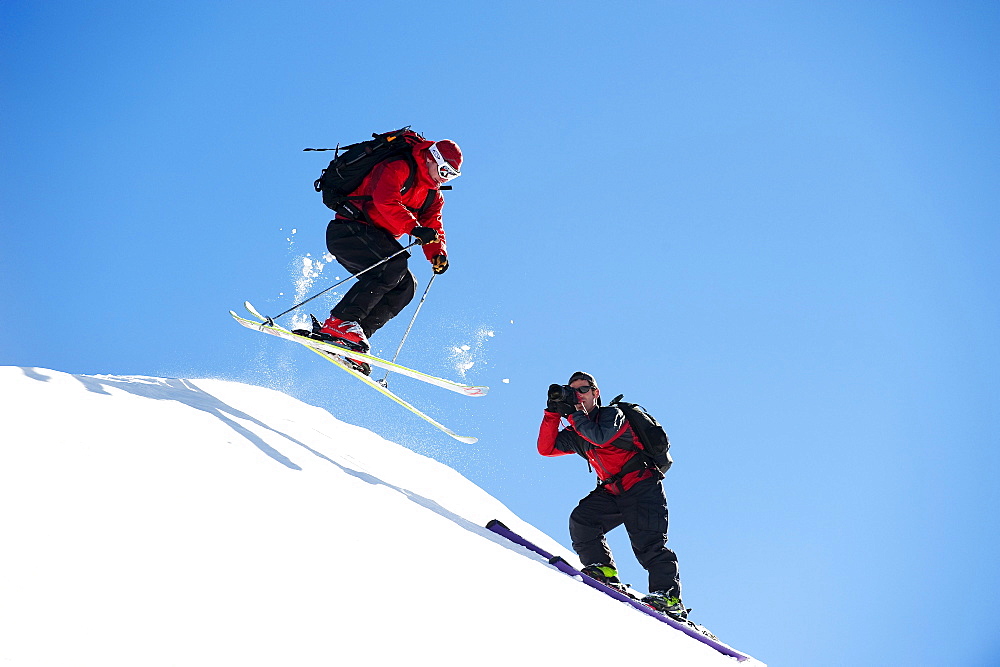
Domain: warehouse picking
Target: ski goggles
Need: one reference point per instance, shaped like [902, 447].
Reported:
[445, 171]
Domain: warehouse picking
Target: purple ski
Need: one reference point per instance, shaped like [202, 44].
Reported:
[687, 628]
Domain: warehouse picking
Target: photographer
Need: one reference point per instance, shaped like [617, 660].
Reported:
[627, 493]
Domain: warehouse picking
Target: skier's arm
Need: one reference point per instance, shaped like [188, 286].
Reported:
[550, 441]
[608, 427]
[432, 218]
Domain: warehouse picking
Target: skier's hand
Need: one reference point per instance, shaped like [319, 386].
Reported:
[561, 407]
[424, 235]
[439, 263]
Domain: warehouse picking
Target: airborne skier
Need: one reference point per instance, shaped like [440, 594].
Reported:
[400, 195]
[380, 189]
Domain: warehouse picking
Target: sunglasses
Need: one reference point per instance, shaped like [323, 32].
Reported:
[583, 390]
[445, 170]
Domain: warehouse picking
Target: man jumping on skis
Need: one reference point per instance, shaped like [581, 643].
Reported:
[366, 232]
[603, 436]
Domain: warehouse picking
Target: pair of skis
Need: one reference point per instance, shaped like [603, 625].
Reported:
[687, 627]
[337, 356]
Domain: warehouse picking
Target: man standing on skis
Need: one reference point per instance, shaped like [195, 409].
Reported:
[399, 196]
[627, 492]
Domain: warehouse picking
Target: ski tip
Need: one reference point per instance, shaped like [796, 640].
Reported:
[253, 311]
[476, 391]
[467, 439]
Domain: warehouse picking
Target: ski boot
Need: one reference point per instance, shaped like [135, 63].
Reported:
[606, 574]
[347, 335]
[667, 604]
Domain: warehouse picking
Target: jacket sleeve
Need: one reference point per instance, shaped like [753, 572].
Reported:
[552, 442]
[608, 427]
[432, 218]
[388, 178]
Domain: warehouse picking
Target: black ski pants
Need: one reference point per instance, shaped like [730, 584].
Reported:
[643, 510]
[380, 294]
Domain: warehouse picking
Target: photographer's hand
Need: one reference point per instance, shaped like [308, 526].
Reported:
[560, 407]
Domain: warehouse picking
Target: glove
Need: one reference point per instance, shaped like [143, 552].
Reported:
[561, 407]
[424, 235]
[439, 263]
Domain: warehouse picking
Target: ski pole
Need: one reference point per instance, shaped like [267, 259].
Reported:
[270, 320]
[384, 381]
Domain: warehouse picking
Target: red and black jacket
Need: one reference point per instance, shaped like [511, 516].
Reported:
[399, 212]
[604, 438]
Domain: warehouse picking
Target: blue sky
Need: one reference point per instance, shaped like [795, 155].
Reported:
[773, 224]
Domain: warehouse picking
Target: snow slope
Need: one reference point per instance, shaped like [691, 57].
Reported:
[152, 521]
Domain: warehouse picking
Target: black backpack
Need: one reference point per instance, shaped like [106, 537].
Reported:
[652, 436]
[352, 163]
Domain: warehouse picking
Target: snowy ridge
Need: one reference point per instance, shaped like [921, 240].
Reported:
[159, 521]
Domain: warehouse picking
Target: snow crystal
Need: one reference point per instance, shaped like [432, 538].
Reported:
[466, 355]
[304, 274]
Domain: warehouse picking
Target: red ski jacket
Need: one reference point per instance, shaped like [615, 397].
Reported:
[603, 437]
[390, 210]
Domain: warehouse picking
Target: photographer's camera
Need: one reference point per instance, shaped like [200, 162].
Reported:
[562, 399]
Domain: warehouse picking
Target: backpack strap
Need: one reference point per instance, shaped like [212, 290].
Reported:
[637, 462]
[411, 180]
[428, 200]
[641, 459]
[354, 212]
[631, 446]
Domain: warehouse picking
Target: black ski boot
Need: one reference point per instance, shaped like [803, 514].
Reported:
[667, 604]
[606, 574]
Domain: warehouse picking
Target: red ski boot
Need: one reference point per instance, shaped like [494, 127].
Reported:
[341, 333]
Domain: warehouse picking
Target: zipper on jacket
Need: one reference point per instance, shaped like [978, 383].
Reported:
[602, 472]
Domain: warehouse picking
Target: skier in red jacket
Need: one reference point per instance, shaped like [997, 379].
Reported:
[633, 497]
[404, 199]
